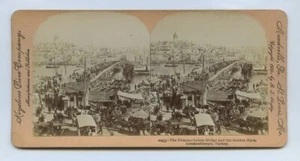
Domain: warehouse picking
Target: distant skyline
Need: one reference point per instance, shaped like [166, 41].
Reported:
[98, 29]
[215, 28]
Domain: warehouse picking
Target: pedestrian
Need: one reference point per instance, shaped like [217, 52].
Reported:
[99, 123]
[168, 107]
[49, 109]
[206, 131]
[218, 126]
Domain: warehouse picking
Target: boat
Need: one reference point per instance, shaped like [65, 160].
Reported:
[39, 64]
[171, 65]
[260, 70]
[171, 58]
[52, 65]
[154, 63]
[141, 70]
[79, 66]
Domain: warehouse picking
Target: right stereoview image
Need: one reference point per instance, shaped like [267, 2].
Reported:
[208, 75]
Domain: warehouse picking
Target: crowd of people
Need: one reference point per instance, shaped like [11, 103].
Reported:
[227, 115]
[107, 86]
[214, 68]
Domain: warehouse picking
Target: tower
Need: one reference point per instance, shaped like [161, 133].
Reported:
[175, 37]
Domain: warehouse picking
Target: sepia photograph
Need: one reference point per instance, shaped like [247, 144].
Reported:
[92, 78]
[208, 76]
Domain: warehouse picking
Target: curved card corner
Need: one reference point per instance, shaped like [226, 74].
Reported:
[16, 14]
[282, 12]
[283, 143]
[16, 142]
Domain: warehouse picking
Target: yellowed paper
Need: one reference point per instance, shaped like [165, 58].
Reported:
[149, 78]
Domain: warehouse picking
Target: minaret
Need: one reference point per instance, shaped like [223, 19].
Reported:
[175, 37]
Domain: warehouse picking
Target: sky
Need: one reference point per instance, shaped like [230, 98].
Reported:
[110, 29]
[216, 28]
[99, 29]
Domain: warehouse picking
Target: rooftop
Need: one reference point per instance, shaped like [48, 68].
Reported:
[194, 86]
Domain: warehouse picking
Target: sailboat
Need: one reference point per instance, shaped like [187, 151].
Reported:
[142, 69]
[173, 64]
[52, 63]
[199, 60]
[79, 66]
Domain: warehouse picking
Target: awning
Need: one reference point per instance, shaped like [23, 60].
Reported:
[85, 120]
[123, 95]
[248, 95]
[184, 97]
[194, 86]
[217, 96]
[154, 80]
[75, 87]
[203, 120]
[153, 117]
[96, 96]
[186, 79]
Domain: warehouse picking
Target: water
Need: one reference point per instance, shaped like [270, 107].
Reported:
[135, 80]
[157, 69]
[162, 70]
[257, 78]
[42, 71]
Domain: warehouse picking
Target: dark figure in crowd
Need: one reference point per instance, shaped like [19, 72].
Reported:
[49, 109]
[218, 126]
[42, 118]
[168, 107]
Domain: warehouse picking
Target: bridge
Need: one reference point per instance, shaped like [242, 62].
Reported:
[211, 78]
[108, 69]
[221, 71]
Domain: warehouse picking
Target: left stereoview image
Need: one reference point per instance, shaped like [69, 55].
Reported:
[91, 75]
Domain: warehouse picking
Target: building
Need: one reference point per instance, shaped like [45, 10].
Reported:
[195, 93]
[74, 96]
